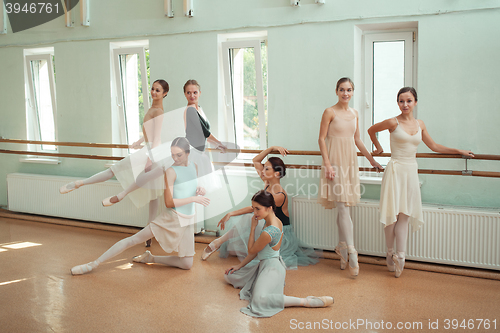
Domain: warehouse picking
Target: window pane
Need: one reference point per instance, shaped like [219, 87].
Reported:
[388, 78]
[131, 93]
[43, 102]
[245, 103]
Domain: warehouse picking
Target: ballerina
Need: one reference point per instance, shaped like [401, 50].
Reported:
[400, 201]
[339, 183]
[262, 284]
[238, 222]
[173, 228]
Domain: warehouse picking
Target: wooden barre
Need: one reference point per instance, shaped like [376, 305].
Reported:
[248, 151]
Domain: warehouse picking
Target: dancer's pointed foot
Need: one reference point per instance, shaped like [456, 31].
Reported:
[145, 258]
[389, 261]
[341, 250]
[82, 269]
[318, 302]
[70, 187]
[207, 252]
[353, 261]
[399, 262]
[110, 201]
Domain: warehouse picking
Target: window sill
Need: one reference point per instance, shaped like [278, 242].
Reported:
[39, 160]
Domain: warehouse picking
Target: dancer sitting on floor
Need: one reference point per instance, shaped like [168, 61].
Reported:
[173, 228]
[400, 201]
[262, 284]
[238, 222]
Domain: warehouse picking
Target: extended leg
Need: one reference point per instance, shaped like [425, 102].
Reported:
[97, 178]
[141, 181]
[215, 244]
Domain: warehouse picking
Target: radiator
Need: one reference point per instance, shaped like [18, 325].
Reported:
[451, 235]
[39, 194]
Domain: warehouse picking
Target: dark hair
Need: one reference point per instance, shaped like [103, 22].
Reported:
[278, 165]
[265, 199]
[191, 82]
[163, 84]
[407, 89]
[342, 80]
[182, 143]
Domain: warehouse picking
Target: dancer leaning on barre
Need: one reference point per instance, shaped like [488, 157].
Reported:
[173, 228]
[339, 183]
[262, 284]
[238, 222]
[124, 169]
[400, 201]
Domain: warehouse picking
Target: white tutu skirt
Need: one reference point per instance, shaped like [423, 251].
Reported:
[400, 193]
[171, 235]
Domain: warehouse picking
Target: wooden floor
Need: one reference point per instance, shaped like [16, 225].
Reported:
[38, 293]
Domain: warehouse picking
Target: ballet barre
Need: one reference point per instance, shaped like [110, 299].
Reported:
[466, 172]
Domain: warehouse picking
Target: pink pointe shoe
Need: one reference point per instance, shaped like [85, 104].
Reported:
[341, 250]
[107, 202]
[353, 260]
[399, 262]
[83, 269]
[389, 261]
[70, 187]
[145, 258]
[208, 251]
[318, 302]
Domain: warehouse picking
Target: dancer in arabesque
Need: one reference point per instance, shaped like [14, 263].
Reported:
[400, 201]
[173, 228]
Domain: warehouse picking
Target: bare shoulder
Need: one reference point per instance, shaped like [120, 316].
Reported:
[356, 113]
[421, 123]
[329, 113]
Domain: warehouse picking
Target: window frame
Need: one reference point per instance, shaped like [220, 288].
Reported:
[254, 43]
[118, 92]
[33, 120]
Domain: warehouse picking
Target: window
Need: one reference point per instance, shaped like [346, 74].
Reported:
[389, 66]
[40, 97]
[244, 65]
[130, 90]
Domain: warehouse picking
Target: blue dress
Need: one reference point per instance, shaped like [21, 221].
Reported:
[262, 284]
[291, 251]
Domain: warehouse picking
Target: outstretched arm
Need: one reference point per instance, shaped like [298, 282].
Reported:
[436, 147]
[361, 146]
[245, 210]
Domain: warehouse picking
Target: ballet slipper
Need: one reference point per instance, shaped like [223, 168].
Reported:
[399, 262]
[145, 258]
[207, 252]
[107, 202]
[341, 250]
[326, 300]
[67, 188]
[353, 269]
[389, 261]
[82, 269]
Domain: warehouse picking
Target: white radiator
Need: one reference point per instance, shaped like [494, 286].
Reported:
[39, 194]
[450, 235]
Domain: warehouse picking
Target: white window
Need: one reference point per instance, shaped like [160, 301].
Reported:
[40, 98]
[130, 91]
[389, 66]
[244, 73]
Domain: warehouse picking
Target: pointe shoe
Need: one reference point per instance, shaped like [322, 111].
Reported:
[107, 202]
[326, 300]
[341, 250]
[68, 188]
[389, 261]
[207, 252]
[81, 269]
[145, 258]
[399, 263]
[354, 270]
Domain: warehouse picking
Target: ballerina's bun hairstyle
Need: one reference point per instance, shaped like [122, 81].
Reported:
[164, 85]
[182, 143]
[193, 83]
[407, 89]
[342, 80]
[264, 199]
[278, 165]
